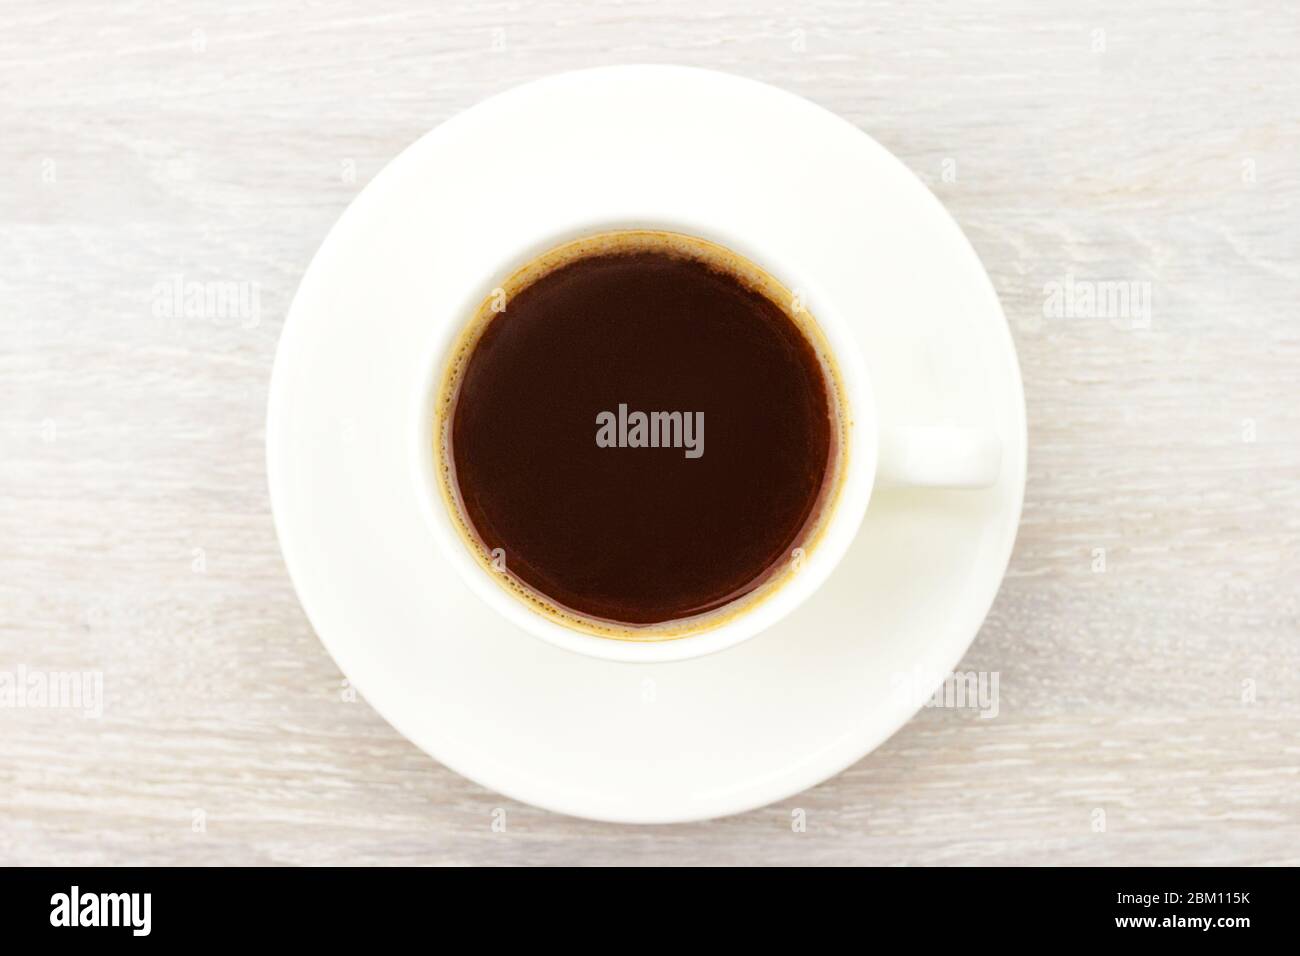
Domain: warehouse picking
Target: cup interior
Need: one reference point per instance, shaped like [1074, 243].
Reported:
[838, 516]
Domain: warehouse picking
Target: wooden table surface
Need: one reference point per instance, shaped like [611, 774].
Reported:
[1147, 635]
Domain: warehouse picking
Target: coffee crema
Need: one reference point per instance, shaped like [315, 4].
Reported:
[628, 527]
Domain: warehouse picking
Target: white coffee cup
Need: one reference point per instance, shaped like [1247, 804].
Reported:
[921, 456]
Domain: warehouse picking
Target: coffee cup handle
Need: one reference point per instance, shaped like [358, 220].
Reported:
[938, 456]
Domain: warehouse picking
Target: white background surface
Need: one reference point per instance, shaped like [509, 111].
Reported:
[1158, 145]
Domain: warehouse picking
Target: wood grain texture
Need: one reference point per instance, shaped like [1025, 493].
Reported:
[1156, 143]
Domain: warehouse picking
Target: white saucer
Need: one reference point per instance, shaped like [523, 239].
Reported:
[638, 743]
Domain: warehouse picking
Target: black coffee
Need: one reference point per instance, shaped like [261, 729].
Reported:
[642, 433]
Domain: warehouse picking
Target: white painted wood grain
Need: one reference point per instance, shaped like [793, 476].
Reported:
[1155, 143]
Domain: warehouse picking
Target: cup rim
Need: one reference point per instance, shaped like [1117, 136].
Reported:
[841, 527]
